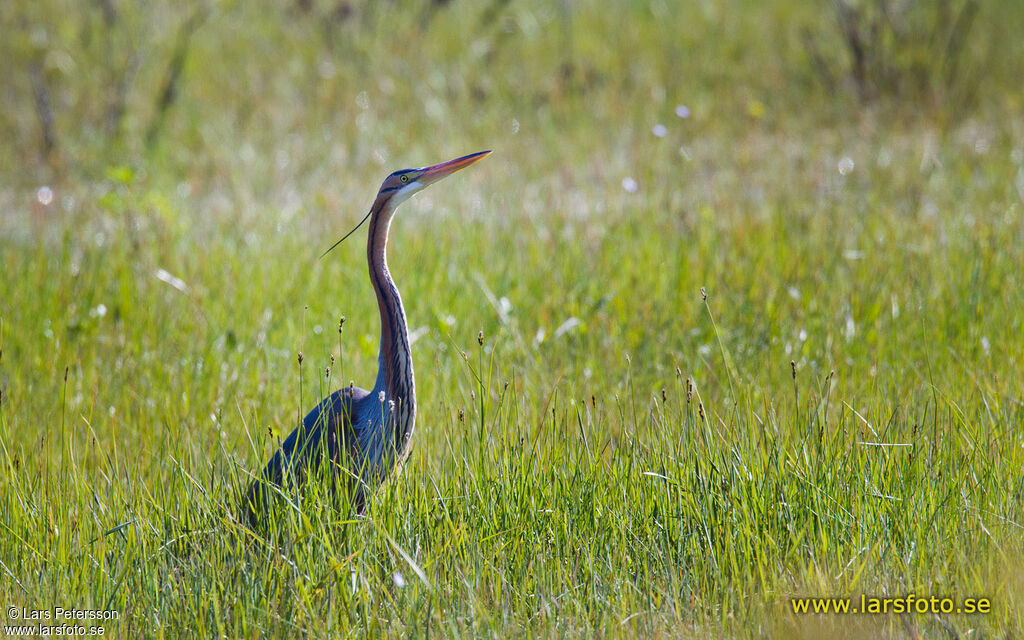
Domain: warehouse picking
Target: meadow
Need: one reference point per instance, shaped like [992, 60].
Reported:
[702, 335]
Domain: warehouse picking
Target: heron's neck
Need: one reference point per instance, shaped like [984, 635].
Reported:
[394, 375]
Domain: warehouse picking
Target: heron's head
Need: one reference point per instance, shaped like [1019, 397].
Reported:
[401, 185]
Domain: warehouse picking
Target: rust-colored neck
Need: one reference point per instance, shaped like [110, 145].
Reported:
[395, 372]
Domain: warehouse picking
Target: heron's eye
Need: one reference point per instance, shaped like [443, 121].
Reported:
[405, 178]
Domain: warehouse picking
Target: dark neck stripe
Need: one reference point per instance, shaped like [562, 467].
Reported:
[397, 375]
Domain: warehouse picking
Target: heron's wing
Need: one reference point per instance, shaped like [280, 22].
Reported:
[325, 431]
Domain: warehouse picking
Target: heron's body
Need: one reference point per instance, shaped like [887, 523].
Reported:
[369, 430]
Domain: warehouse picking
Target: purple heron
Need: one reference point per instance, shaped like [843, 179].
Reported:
[370, 429]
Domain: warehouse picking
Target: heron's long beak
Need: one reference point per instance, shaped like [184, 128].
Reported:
[432, 174]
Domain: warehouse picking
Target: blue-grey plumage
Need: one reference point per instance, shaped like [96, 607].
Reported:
[369, 430]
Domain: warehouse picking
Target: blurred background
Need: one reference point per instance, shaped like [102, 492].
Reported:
[280, 91]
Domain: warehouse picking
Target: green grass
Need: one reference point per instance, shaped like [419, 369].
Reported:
[620, 458]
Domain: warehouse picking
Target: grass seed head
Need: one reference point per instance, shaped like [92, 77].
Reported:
[480, 338]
